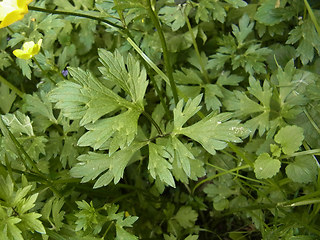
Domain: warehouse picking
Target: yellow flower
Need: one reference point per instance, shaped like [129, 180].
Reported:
[29, 49]
[12, 11]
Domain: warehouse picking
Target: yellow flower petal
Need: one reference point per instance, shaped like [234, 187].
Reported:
[12, 11]
[29, 49]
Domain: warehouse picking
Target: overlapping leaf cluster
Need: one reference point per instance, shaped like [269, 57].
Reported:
[162, 120]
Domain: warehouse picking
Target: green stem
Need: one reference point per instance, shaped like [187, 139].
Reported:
[195, 45]
[76, 15]
[167, 63]
[312, 16]
[311, 121]
[20, 149]
[42, 70]
[241, 154]
[148, 60]
[12, 87]
[147, 115]
[308, 152]
[218, 175]
[158, 91]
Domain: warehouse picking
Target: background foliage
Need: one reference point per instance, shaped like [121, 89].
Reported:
[161, 120]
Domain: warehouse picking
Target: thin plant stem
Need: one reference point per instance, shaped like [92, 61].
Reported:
[147, 115]
[167, 63]
[76, 15]
[195, 45]
[312, 16]
[11, 86]
[218, 175]
[311, 121]
[20, 149]
[42, 70]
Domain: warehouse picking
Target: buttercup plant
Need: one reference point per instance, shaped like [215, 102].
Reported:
[159, 119]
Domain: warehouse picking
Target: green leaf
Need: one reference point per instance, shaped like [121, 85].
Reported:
[245, 53]
[31, 220]
[244, 106]
[192, 237]
[5, 60]
[186, 217]
[25, 67]
[159, 166]
[214, 131]
[244, 29]
[308, 39]
[7, 98]
[304, 169]
[290, 138]
[69, 151]
[182, 155]
[270, 15]
[57, 214]
[39, 104]
[123, 234]
[210, 10]
[266, 166]
[86, 98]
[6, 188]
[236, 3]
[18, 123]
[111, 133]
[130, 76]
[173, 16]
[190, 109]
[92, 165]
[212, 92]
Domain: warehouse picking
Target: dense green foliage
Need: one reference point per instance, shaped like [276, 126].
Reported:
[163, 119]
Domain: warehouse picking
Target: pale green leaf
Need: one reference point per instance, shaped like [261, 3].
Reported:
[92, 165]
[214, 131]
[244, 106]
[190, 109]
[212, 92]
[13, 230]
[266, 166]
[31, 220]
[39, 104]
[6, 188]
[173, 16]
[129, 75]
[290, 138]
[208, 10]
[86, 98]
[304, 169]
[159, 166]
[111, 133]
[18, 123]
[182, 155]
[244, 29]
